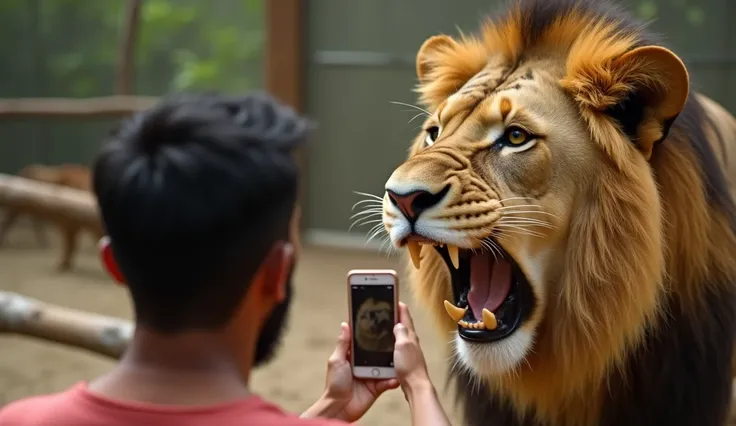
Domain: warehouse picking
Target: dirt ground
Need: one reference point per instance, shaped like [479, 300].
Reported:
[294, 379]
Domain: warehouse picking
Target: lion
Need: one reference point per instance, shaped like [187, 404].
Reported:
[568, 211]
[69, 175]
[374, 330]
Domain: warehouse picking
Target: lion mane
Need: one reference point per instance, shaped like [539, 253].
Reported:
[638, 327]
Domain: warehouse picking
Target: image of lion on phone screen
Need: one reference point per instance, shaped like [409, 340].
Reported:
[374, 328]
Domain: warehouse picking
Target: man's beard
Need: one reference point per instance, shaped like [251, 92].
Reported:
[273, 329]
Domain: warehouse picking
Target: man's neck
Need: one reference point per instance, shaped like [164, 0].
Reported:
[185, 369]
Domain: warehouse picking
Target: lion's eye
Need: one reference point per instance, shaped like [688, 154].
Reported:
[517, 136]
[432, 134]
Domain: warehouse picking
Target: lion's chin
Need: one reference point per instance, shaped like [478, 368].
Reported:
[493, 359]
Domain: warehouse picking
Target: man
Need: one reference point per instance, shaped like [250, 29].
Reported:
[198, 199]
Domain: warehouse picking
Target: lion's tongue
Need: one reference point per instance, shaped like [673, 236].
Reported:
[490, 281]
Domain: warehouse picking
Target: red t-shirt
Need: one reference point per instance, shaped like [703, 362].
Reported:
[77, 406]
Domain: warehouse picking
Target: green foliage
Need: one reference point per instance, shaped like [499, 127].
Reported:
[209, 45]
[69, 47]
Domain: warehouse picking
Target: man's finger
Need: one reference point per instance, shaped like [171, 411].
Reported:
[343, 344]
[405, 316]
[384, 385]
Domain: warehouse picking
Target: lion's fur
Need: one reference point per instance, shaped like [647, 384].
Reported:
[649, 247]
[370, 334]
[68, 175]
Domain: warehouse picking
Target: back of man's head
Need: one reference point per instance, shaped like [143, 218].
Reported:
[193, 194]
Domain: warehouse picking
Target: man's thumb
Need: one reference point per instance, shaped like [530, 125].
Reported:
[400, 331]
[343, 344]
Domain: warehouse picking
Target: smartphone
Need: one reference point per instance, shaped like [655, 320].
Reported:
[373, 298]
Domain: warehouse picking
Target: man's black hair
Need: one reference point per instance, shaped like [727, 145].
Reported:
[193, 193]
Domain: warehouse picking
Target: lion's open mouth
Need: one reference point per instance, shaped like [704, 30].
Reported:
[492, 297]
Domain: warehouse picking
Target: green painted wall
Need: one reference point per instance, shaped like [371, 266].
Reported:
[362, 136]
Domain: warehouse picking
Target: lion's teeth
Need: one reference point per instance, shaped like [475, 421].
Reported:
[414, 250]
[454, 312]
[489, 319]
[454, 255]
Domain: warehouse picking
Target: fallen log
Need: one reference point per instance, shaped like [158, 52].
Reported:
[71, 210]
[71, 175]
[49, 201]
[100, 334]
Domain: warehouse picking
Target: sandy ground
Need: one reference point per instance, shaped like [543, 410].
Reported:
[294, 379]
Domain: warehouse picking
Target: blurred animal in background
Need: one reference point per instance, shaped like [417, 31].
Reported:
[67, 175]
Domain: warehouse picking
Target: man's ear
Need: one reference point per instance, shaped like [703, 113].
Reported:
[276, 268]
[104, 247]
[643, 90]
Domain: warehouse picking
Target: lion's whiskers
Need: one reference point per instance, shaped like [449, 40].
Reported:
[369, 201]
[372, 217]
[371, 214]
[489, 245]
[415, 117]
[390, 249]
[424, 111]
[512, 212]
[514, 198]
[527, 221]
[515, 229]
[367, 222]
[375, 231]
[371, 211]
[367, 194]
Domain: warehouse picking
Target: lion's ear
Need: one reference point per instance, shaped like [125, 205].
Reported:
[444, 65]
[644, 90]
[431, 54]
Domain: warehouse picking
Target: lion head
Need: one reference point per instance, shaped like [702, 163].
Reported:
[374, 331]
[548, 193]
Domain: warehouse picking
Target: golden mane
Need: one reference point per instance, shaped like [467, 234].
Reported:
[628, 261]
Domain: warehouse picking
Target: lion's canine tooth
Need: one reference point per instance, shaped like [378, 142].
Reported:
[489, 319]
[414, 250]
[454, 312]
[454, 255]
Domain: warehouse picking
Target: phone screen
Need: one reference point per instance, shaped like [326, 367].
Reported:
[373, 325]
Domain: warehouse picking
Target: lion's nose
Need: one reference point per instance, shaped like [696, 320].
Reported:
[413, 203]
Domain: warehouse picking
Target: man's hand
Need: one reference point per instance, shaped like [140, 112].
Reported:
[346, 397]
[411, 368]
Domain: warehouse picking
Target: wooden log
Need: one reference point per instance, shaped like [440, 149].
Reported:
[50, 201]
[83, 108]
[100, 334]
